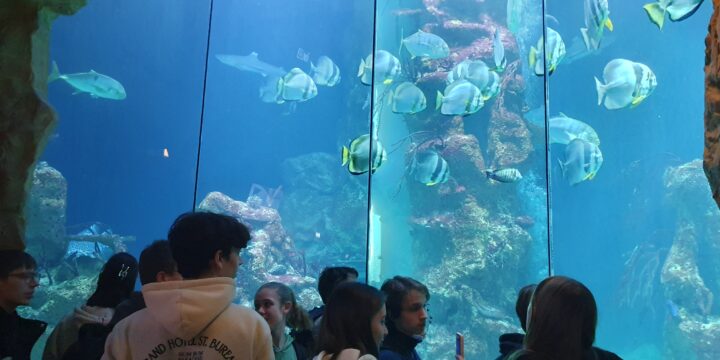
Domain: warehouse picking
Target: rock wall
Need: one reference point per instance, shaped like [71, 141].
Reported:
[26, 119]
[712, 103]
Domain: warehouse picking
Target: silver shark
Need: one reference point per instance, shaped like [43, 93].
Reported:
[251, 63]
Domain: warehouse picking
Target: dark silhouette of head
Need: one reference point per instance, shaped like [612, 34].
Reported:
[331, 277]
[156, 258]
[11, 260]
[347, 320]
[116, 281]
[522, 303]
[562, 319]
[195, 239]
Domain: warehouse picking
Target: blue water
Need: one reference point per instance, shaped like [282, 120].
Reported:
[111, 152]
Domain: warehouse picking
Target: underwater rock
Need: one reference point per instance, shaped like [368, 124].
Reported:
[45, 215]
[218, 202]
[26, 119]
[509, 139]
[317, 171]
[711, 162]
[692, 263]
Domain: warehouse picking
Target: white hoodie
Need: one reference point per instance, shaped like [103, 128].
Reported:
[191, 319]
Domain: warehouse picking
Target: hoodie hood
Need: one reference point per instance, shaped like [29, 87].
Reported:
[93, 315]
[185, 308]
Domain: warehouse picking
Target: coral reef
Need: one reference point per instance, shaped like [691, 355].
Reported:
[271, 255]
[690, 280]
[325, 210]
[26, 119]
[478, 231]
[711, 162]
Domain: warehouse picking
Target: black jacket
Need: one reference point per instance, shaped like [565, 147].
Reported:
[398, 346]
[303, 343]
[509, 343]
[18, 335]
[593, 354]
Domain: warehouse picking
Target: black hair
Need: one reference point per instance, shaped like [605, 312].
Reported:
[330, 277]
[396, 289]
[11, 260]
[116, 281]
[347, 322]
[155, 258]
[522, 303]
[195, 237]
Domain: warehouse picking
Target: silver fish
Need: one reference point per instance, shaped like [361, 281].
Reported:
[407, 99]
[326, 72]
[563, 129]
[460, 98]
[93, 83]
[553, 56]
[499, 52]
[422, 44]
[597, 18]
[627, 83]
[251, 63]
[582, 161]
[507, 175]
[678, 10]
[493, 86]
[297, 86]
[357, 155]
[387, 68]
[474, 71]
[429, 168]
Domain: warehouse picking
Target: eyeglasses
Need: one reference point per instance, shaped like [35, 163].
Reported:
[27, 276]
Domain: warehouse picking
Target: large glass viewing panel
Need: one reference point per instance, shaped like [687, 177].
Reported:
[459, 202]
[633, 216]
[282, 100]
[120, 165]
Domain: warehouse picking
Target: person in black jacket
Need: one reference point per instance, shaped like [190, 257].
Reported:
[407, 318]
[561, 323]
[511, 342]
[18, 280]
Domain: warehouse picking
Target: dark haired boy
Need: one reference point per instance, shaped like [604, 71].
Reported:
[407, 315]
[18, 280]
[195, 318]
[329, 279]
[512, 342]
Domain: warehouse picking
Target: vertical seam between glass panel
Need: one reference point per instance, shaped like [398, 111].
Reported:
[372, 140]
[202, 108]
[546, 98]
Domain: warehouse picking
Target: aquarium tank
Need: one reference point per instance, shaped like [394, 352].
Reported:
[474, 145]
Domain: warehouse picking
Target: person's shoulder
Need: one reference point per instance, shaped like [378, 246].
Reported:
[605, 355]
[389, 354]
[244, 312]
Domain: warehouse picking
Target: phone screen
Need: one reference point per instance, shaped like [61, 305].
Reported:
[459, 344]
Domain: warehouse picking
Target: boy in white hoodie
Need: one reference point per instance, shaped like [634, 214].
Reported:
[195, 318]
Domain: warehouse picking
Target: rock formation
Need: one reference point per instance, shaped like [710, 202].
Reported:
[712, 103]
[26, 119]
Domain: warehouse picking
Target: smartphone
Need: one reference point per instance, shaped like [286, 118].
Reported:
[459, 344]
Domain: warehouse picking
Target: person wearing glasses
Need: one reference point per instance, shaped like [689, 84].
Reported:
[408, 318]
[18, 281]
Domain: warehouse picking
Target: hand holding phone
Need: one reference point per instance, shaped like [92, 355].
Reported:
[459, 345]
